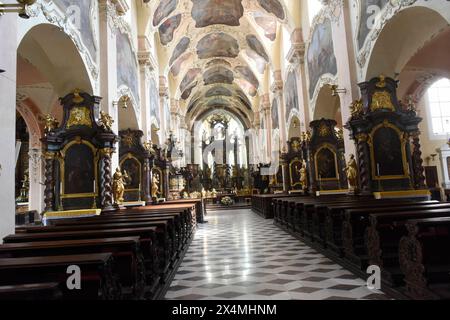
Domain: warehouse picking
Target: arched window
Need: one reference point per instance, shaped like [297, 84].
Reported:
[314, 7]
[438, 97]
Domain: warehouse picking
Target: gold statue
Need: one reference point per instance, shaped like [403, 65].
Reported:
[119, 186]
[303, 176]
[351, 171]
[106, 120]
[356, 108]
[155, 186]
[50, 123]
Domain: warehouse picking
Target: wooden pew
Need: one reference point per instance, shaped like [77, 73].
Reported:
[147, 241]
[262, 204]
[31, 292]
[383, 238]
[97, 278]
[424, 258]
[356, 221]
[200, 210]
[126, 252]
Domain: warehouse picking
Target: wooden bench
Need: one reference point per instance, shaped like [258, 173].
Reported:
[262, 204]
[97, 278]
[31, 292]
[129, 261]
[424, 258]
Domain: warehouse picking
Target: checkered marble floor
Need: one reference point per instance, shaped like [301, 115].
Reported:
[240, 256]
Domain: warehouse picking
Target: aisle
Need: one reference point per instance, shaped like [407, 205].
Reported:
[238, 255]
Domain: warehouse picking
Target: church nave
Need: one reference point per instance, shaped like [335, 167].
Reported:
[238, 255]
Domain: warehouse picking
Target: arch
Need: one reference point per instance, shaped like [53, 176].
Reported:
[327, 106]
[294, 126]
[128, 115]
[406, 33]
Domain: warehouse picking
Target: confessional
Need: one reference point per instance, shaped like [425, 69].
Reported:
[386, 134]
[78, 156]
[293, 162]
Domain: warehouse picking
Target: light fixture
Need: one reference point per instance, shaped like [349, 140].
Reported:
[335, 91]
[19, 8]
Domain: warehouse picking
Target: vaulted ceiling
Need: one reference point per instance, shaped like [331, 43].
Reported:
[217, 51]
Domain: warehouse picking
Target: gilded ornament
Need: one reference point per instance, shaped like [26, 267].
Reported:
[381, 100]
[79, 116]
[296, 145]
[356, 108]
[382, 81]
[128, 140]
[324, 130]
[106, 121]
[119, 186]
[50, 123]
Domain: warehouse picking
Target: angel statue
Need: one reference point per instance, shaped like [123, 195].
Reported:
[119, 186]
[303, 176]
[351, 171]
[106, 120]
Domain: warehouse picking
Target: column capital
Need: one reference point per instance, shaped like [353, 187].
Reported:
[265, 103]
[146, 59]
[277, 85]
[296, 54]
[163, 88]
[112, 10]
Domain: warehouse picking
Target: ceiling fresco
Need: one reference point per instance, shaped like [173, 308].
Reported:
[257, 46]
[210, 12]
[181, 48]
[176, 67]
[274, 7]
[217, 61]
[168, 28]
[165, 8]
[268, 24]
[218, 74]
[218, 91]
[186, 94]
[189, 77]
[248, 75]
[217, 44]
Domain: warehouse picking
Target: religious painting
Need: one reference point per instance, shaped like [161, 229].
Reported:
[210, 12]
[168, 28]
[257, 46]
[326, 161]
[247, 86]
[132, 168]
[275, 116]
[291, 95]
[163, 10]
[154, 100]
[127, 65]
[388, 154]
[218, 91]
[218, 44]
[79, 14]
[370, 11]
[187, 92]
[294, 172]
[214, 62]
[218, 102]
[79, 170]
[274, 7]
[267, 23]
[248, 75]
[180, 48]
[176, 68]
[218, 74]
[321, 58]
[189, 78]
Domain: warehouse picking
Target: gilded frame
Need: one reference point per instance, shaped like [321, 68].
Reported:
[291, 165]
[403, 142]
[129, 156]
[331, 148]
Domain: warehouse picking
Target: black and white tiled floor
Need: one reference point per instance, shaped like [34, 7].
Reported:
[238, 255]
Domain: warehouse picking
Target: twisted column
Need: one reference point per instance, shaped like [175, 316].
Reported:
[106, 180]
[363, 163]
[419, 176]
[49, 193]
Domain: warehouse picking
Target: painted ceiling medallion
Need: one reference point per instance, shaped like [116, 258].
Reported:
[218, 91]
[188, 78]
[168, 28]
[218, 74]
[176, 68]
[216, 62]
[210, 12]
[248, 75]
[187, 93]
[165, 8]
[181, 47]
[217, 44]
[274, 7]
[257, 46]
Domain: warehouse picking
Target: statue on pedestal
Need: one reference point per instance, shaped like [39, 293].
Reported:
[303, 176]
[155, 187]
[351, 171]
[119, 186]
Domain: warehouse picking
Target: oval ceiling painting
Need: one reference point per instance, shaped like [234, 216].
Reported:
[257, 46]
[167, 29]
[218, 44]
[218, 91]
[218, 74]
[210, 12]
[188, 78]
[165, 8]
[180, 49]
[274, 7]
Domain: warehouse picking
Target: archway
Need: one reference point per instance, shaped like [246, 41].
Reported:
[328, 106]
[49, 66]
[294, 128]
